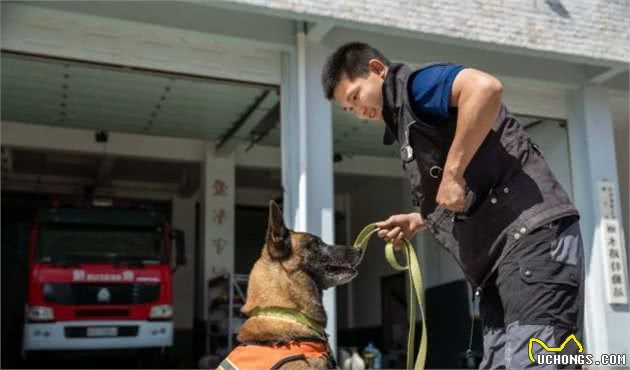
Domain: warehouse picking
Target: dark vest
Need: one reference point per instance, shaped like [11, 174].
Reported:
[510, 189]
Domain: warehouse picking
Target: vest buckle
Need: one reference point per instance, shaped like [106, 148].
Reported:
[407, 153]
[435, 172]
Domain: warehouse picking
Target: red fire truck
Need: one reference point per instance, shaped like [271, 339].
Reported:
[100, 278]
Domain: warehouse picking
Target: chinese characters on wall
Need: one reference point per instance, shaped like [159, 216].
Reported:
[612, 244]
[219, 241]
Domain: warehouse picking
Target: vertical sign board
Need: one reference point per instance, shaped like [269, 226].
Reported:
[613, 246]
[219, 194]
[220, 226]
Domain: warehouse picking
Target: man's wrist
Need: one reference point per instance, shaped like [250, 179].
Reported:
[453, 175]
[416, 222]
[455, 164]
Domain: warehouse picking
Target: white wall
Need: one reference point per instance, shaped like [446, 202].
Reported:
[553, 140]
[141, 44]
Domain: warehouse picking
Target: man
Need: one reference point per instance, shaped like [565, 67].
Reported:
[483, 190]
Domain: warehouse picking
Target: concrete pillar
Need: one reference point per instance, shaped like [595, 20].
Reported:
[307, 152]
[183, 218]
[592, 152]
[217, 217]
[288, 138]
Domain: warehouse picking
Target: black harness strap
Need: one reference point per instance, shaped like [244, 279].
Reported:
[286, 360]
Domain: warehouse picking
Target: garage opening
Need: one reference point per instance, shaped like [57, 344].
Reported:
[105, 99]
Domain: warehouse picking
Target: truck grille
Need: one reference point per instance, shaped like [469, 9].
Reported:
[101, 313]
[101, 293]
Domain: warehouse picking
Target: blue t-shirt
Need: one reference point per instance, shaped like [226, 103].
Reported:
[430, 92]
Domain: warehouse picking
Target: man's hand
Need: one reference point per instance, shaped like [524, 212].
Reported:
[452, 193]
[399, 227]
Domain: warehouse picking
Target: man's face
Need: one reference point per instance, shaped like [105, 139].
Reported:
[363, 95]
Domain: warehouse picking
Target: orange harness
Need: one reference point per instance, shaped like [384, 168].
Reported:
[246, 357]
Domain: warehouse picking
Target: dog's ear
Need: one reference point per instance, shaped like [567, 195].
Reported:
[277, 239]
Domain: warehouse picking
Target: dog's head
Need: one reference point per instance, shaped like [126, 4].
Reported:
[327, 265]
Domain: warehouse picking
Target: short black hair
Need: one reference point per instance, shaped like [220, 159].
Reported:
[350, 60]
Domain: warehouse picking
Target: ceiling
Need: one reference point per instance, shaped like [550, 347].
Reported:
[100, 97]
[61, 93]
[96, 97]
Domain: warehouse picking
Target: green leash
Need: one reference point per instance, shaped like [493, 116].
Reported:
[415, 290]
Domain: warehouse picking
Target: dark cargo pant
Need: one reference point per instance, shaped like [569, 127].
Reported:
[537, 291]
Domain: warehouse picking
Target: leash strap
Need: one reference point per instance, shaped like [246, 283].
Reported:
[415, 290]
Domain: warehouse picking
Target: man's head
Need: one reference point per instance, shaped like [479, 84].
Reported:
[353, 76]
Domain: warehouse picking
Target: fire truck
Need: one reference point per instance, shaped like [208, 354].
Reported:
[100, 278]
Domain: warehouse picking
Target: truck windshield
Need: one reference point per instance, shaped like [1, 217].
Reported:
[80, 243]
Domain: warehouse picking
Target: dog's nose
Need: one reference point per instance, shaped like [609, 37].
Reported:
[357, 256]
[350, 255]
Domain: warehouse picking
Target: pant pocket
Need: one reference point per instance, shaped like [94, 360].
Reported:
[540, 291]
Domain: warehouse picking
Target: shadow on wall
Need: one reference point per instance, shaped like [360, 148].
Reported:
[557, 7]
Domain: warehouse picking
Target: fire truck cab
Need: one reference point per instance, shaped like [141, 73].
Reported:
[100, 278]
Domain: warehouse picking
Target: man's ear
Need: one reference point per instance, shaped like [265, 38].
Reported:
[377, 67]
[277, 238]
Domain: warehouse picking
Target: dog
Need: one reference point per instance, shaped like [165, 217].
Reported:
[286, 321]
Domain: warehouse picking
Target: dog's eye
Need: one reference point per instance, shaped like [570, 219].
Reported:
[311, 244]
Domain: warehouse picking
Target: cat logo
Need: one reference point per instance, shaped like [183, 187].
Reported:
[103, 295]
[552, 349]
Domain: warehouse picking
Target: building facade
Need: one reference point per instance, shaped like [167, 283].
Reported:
[230, 91]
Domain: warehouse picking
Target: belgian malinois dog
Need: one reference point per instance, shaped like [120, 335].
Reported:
[286, 317]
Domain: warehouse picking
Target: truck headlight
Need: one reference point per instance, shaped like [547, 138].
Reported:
[161, 312]
[39, 313]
